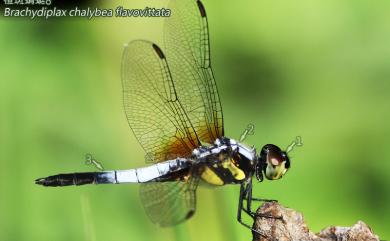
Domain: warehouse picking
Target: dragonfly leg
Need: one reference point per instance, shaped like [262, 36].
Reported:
[243, 191]
[262, 199]
[247, 195]
[249, 198]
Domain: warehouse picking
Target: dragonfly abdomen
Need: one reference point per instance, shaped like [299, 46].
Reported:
[137, 175]
[77, 179]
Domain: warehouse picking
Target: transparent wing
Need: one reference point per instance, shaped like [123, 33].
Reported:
[169, 112]
[169, 203]
[186, 39]
[153, 109]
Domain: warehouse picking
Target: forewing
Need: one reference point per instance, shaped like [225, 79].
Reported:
[169, 203]
[186, 39]
[151, 104]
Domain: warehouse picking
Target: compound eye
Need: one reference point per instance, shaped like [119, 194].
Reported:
[274, 157]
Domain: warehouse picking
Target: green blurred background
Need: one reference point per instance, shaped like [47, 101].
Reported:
[319, 69]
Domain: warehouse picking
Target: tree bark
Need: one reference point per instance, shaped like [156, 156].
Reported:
[284, 224]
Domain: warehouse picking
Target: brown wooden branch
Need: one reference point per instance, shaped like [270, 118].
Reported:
[291, 226]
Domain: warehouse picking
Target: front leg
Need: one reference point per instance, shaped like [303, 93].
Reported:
[262, 199]
[248, 197]
[243, 193]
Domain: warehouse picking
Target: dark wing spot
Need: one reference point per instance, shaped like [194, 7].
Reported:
[158, 51]
[201, 9]
[189, 214]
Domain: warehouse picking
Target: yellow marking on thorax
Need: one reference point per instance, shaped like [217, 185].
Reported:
[209, 176]
[237, 173]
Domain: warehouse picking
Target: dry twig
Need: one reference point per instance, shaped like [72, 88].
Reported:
[293, 227]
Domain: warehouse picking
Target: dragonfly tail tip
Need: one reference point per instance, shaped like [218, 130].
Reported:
[41, 181]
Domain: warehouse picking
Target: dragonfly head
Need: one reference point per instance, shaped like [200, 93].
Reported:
[273, 162]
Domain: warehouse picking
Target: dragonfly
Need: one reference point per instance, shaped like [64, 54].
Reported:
[172, 106]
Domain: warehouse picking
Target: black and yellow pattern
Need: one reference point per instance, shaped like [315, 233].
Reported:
[229, 169]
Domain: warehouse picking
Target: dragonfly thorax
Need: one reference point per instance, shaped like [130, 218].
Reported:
[225, 162]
